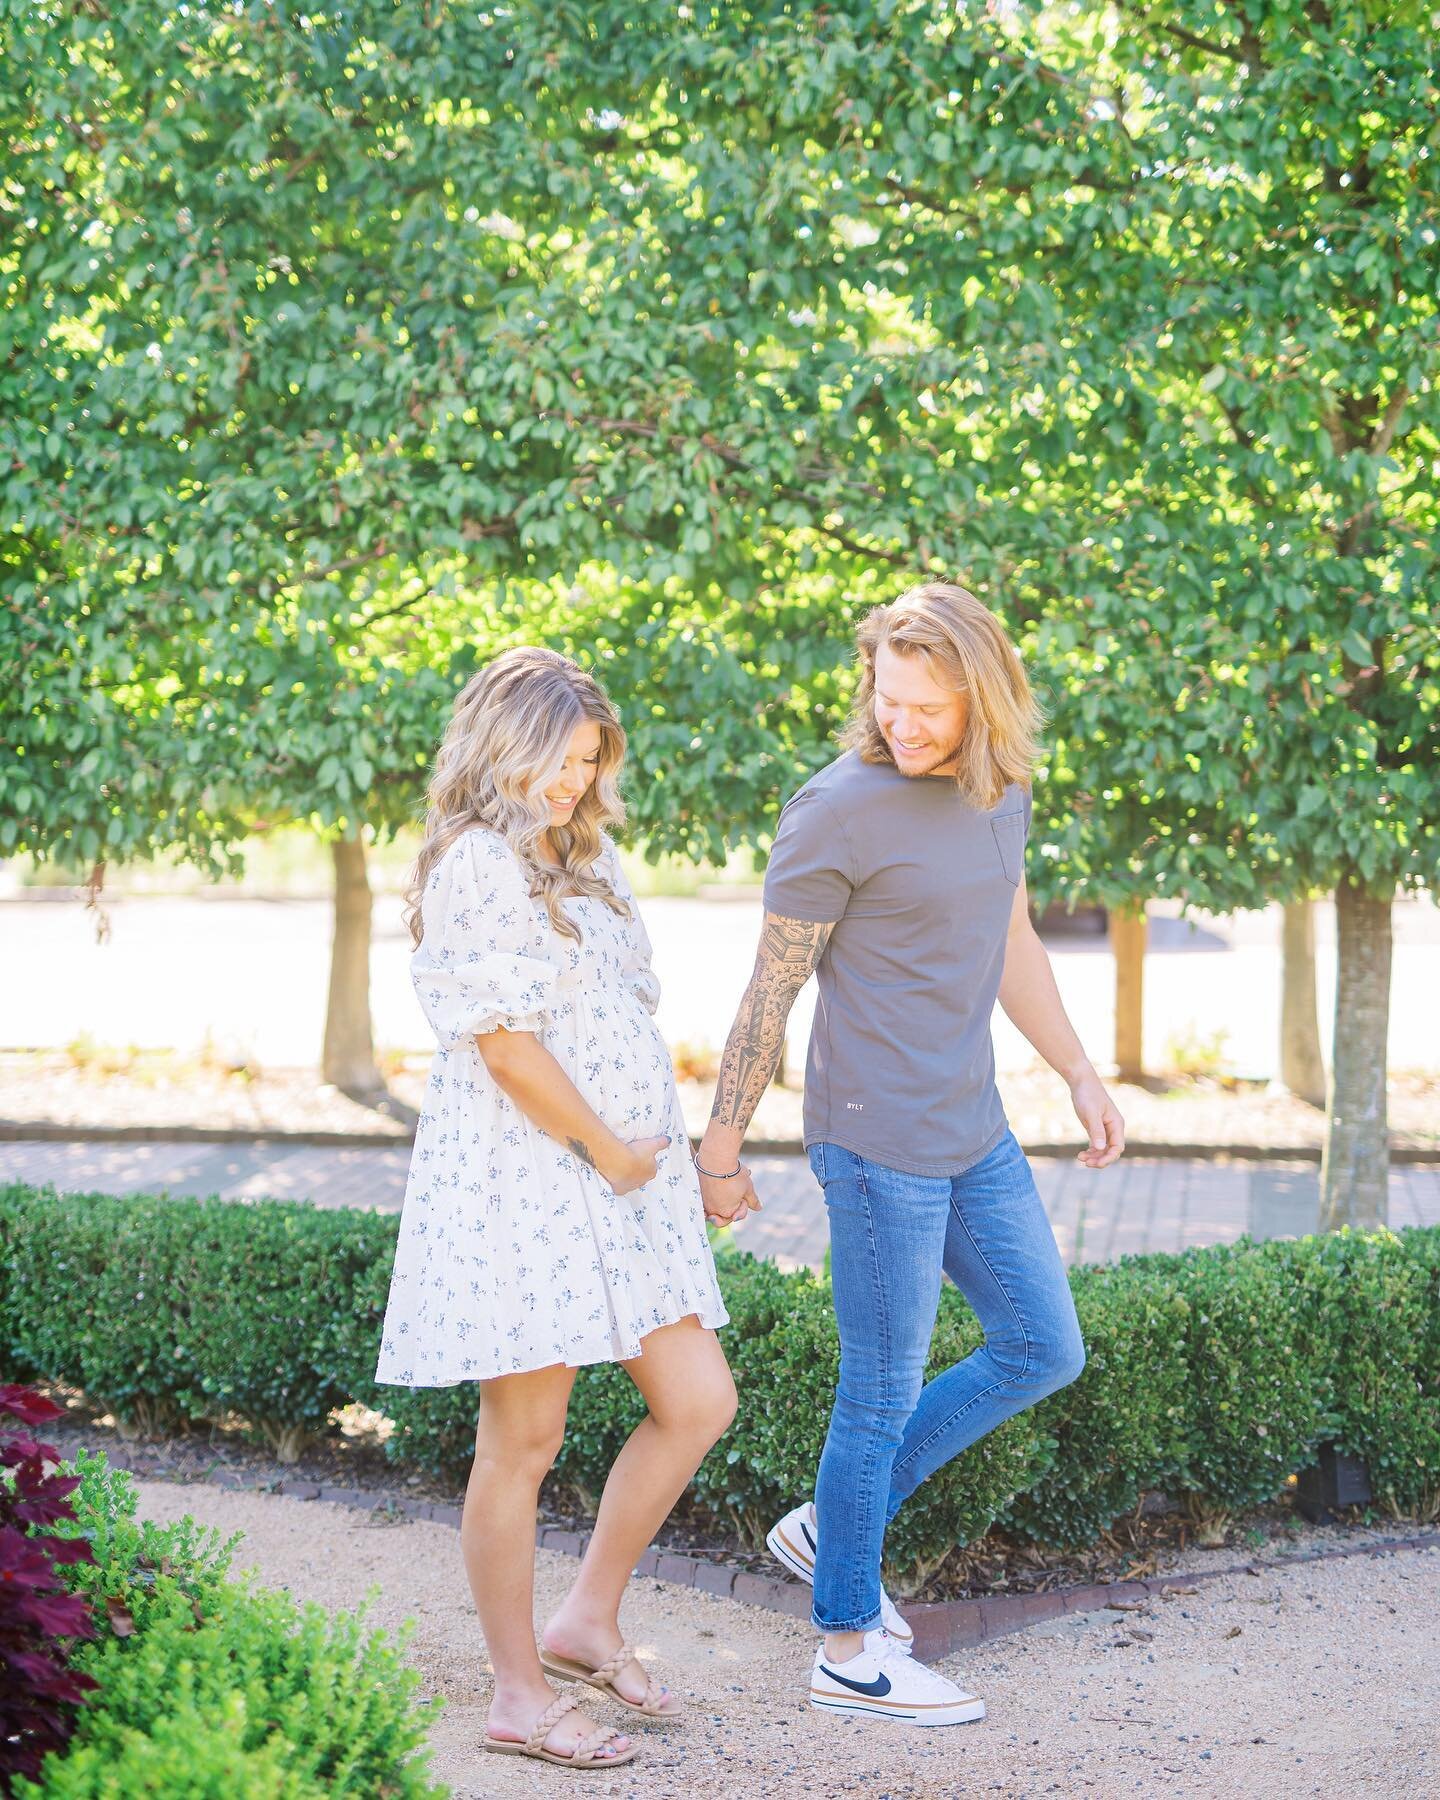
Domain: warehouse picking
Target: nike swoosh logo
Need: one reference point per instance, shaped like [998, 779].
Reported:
[875, 1690]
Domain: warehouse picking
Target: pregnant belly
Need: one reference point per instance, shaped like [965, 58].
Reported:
[623, 1070]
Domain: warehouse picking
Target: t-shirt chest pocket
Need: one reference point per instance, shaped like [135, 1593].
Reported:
[1009, 830]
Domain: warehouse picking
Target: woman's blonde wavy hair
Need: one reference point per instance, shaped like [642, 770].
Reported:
[967, 649]
[504, 745]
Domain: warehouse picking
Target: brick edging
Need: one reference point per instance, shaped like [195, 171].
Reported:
[940, 1626]
[48, 1131]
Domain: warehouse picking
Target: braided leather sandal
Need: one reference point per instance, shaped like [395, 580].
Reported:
[603, 1677]
[581, 1757]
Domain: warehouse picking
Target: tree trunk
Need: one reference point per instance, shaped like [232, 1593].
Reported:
[348, 1059]
[1128, 931]
[1355, 1171]
[1302, 1067]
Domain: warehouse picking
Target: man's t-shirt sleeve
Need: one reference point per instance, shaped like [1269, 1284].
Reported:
[810, 874]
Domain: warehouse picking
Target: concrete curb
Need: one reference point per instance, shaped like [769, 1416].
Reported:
[940, 1626]
[46, 1131]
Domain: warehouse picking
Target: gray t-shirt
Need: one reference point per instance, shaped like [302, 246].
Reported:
[920, 886]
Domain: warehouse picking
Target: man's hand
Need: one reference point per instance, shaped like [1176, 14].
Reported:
[1100, 1116]
[789, 950]
[727, 1202]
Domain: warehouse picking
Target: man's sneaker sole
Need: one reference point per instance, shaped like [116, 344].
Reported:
[911, 1712]
[796, 1556]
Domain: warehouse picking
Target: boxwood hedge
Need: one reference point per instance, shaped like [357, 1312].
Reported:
[218, 1689]
[1212, 1374]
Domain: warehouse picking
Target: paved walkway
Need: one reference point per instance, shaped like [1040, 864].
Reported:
[1139, 1205]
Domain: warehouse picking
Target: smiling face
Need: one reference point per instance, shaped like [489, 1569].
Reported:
[922, 722]
[582, 760]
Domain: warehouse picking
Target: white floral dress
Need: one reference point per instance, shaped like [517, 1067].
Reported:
[514, 1254]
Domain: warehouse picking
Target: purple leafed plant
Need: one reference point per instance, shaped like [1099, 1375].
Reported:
[39, 1691]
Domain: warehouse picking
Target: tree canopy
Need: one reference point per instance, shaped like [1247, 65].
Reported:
[1125, 316]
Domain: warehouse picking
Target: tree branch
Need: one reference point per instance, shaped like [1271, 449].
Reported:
[350, 562]
[1188, 38]
[1389, 423]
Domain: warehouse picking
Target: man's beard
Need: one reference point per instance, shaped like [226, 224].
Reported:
[939, 758]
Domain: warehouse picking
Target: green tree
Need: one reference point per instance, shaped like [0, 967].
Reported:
[1127, 315]
[276, 427]
[1124, 316]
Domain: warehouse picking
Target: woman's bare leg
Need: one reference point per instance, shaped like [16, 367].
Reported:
[687, 1386]
[522, 1420]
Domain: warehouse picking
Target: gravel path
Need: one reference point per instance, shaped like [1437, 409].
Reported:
[1316, 1680]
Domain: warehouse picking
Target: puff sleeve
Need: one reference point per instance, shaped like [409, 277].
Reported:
[481, 963]
[639, 977]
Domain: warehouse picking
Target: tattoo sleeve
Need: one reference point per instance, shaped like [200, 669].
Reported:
[789, 951]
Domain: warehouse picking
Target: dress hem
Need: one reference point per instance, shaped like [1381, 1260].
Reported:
[711, 1318]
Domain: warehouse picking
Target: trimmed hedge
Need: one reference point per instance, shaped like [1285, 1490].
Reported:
[221, 1690]
[1213, 1373]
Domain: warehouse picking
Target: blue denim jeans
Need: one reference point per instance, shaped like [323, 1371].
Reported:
[891, 1234]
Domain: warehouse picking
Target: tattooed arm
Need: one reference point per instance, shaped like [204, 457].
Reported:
[789, 950]
[525, 1070]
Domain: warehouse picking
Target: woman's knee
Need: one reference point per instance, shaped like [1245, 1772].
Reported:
[710, 1408]
[706, 1411]
[721, 1406]
[513, 1442]
[876, 1408]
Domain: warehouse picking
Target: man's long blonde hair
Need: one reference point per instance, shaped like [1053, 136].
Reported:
[967, 649]
[504, 745]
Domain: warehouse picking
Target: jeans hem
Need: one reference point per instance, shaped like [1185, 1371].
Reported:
[845, 1625]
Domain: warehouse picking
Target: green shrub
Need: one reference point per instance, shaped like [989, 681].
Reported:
[962, 1499]
[222, 1688]
[1121, 1428]
[199, 1752]
[169, 1310]
[1214, 1373]
[1259, 1380]
[1373, 1304]
[434, 1428]
[784, 1354]
[1422, 1250]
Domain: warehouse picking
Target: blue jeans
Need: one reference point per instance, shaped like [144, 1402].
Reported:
[891, 1234]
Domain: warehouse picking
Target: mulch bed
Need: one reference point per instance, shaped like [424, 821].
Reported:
[350, 1466]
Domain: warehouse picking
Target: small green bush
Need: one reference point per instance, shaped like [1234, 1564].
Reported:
[1374, 1306]
[1258, 1378]
[1214, 1373]
[784, 1355]
[170, 1310]
[972, 1490]
[1120, 1429]
[217, 1687]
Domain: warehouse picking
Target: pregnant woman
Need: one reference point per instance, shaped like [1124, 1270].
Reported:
[552, 1216]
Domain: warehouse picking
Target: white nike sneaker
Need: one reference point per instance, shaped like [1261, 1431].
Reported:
[883, 1683]
[792, 1542]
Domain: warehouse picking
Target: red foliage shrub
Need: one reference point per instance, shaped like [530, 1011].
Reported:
[38, 1689]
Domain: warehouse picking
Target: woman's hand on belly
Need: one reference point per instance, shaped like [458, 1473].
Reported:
[635, 1167]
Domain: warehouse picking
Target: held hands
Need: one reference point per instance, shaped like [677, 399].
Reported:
[726, 1198]
[1100, 1116]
